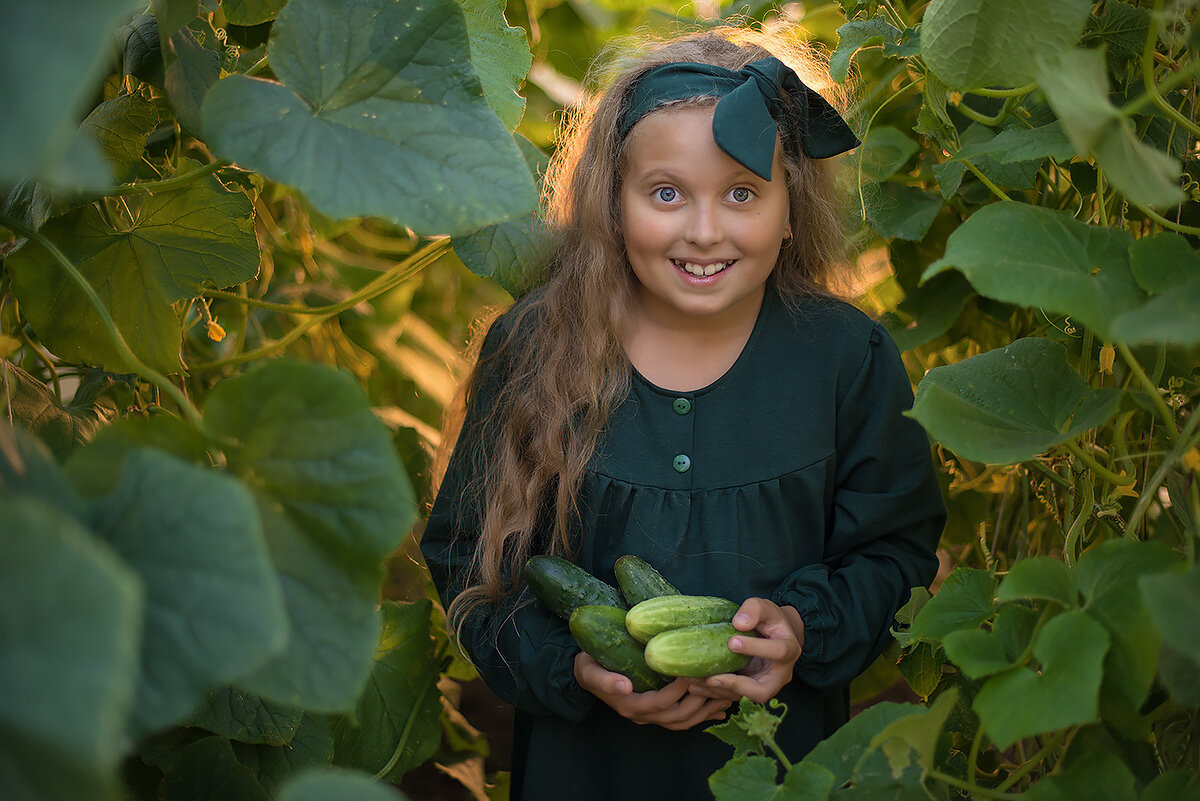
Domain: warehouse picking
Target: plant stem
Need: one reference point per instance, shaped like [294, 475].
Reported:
[974, 789]
[1075, 533]
[1163, 410]
[1052, 745]
[1096, 467]
[283, 308]
[1020, 91]
[389, 280]
[1187, 441]
[123, 350]
[997, 191]
[976, 741]
[147, 187]
[1191, 230]
[1148, 75]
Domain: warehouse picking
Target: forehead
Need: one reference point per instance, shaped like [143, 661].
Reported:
[680, 139]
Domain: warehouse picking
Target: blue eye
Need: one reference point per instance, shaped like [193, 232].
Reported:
[665, 193]
[741, 194]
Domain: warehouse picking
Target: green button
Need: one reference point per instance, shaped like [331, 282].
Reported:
[682, 406]
[682, 463]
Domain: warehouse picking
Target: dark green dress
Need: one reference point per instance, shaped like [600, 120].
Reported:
[793, 477]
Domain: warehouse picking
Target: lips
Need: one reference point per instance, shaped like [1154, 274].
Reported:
[702, 270]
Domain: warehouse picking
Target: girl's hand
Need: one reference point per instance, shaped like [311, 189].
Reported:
[774, 653]
[673, 707]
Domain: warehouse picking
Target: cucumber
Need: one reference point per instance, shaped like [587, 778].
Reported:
[564, 587]
[695, 651]
[600, 632]
[665, 612]
[639, 581]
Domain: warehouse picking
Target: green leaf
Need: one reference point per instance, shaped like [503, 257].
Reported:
[970, 44]
[900, 211]
[251, 12]
[244, 717]
[177, 243]
[928, 311]
[1010, 158]
[840, 752]
[1163, 261]
[192, 71]
[93, 470]
[884, 151]
[334, 501]
[733, 731]
[1108, 577]
[1041, 578]
[501, 57]
[343, 785]
[855, 35]
[1173, 601]
[913, 739]
[141, 49]
[1064, 692]
[921, 666]
[120, 127]
[368, 83]
[875, 780]
[1076, 85]
[28, 468]
[1011, 404]
[1172, 317]
[1022, 254]
[272, 766]
[1096, 776]
[514, 253]
[1121, 30]
[401, 706]
[61, 426]
[1174, 785]
[214, 609]
[963, 602]
[207, 770]
[70, 634]
[753, 778]
[71, 50]
[977, 653]
[1180, 675]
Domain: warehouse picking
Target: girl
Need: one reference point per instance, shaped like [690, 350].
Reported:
[686, 388]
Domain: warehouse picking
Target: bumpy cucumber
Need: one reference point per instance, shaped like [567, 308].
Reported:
[639, 581]
[600, 632]
[665, 612]
[695, 651]
[564, 587]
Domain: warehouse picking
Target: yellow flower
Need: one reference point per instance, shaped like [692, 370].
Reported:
[1108, 355]
[215, 332]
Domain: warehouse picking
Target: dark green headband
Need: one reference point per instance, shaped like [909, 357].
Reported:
[749, 112]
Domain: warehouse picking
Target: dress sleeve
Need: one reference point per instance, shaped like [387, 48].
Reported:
[524, 653]
[886, 520]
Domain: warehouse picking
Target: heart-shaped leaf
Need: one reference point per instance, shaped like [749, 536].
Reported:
[379, 113]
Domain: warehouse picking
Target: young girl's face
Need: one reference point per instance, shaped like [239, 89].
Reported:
[701, 231]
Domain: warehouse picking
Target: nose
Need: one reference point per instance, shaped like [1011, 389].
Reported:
[703, 226]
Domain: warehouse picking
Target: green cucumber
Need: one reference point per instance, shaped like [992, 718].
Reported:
[666, 612]
[564, 587]
[600, 632]
[639, 581]
[695, 651]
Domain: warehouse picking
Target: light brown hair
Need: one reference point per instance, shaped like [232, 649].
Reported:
[557, 370]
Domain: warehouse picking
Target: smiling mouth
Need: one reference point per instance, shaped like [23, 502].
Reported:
[702, 270]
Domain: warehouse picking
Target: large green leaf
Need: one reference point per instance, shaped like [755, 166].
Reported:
[62, 426]
[1096, 776]
[323, 785]
[379, 113]
[1172, 317]
[51, 65]
[272, 766]
[70, 627]
[120, 127]
[334, 500]
[1064, 692]
[214, 609]
[1037, 257]
[898, 210]
[28, 468]
[754, 778]
[1011, 404]
[980, 653]
[400, 709]
[191, 71]
[965, 599]
[177, 243]
[1108, 577]
[976, 43]
[251, 12]
[883, 151]
[841, 752]
[501, 57]
[1163, 261]
[859, 33]
[1173, 601]
[208, 770]
[247, 718]
[514, 253]
[1076, 84]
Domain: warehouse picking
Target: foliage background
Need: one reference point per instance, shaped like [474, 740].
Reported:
[246, 240]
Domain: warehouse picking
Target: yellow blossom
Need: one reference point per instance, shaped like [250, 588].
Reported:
[215, 332]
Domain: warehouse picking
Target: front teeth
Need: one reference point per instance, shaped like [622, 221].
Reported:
[702, 270]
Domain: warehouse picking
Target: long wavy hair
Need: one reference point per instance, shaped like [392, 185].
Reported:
[559, 369]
